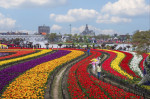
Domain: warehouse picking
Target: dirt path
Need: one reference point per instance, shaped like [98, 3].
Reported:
[57, 84]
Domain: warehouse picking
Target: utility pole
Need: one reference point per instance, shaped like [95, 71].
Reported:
[70, 28]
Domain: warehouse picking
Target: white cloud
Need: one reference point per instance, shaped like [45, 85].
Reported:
[126, 7]
[62, 18]
[39, 2]
[95, 29]
[56, 27]
[30, 3]
[111, 19]
[75, 15]
[6, 23]
[10, 3]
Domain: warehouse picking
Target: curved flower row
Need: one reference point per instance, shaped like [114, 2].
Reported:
[73, 87]
[141, 63]
[79, 84]
[31, 84]
[125, 64]
[106, 66]
[8, 74]
[89, 87]
[16, 53]
[115, 92]
[83, 85]
[134, 64]
[24, 57]
[116, 64]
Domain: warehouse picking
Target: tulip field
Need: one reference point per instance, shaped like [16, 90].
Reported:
[24, 73]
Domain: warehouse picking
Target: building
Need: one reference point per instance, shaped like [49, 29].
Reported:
[14, 33]
[44, 29]
[87, 32]
[31, 37]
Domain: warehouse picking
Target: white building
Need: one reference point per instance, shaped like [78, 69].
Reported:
[24, 37]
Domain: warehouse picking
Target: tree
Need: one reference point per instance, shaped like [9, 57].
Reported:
[51, 37]
[102, 36]
[141, 40]
[80, 39]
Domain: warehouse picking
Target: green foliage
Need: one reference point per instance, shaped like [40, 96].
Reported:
[102, 36]
[51, 37]
[141, 40]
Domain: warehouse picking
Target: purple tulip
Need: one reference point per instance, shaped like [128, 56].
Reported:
[8, 74]
[3, 54]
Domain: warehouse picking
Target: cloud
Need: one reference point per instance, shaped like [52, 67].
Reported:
[62, 18]
[75, 15]
[78, 30]
[111, 19]
[6, 23]
[30, 3]
[56, 27]
[126, 7]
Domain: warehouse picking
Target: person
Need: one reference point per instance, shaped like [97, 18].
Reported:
[98, 60]
[57, 48]
[99, 70]
[93, 65]
[88, 51]
[52, 47]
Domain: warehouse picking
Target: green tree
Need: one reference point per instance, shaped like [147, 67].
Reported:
[51, 37]
[141, 40]
[102, 36]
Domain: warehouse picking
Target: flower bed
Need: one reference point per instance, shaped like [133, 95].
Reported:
[116, 64]
[31, 84]
[125, 64]
[23, 57]
[10, 73]
[141, 63]
[16, 53]
[83, 85]
[134, 64]
[75, 82]
[115, 92]
[107, 65]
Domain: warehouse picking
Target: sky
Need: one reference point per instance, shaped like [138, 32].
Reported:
[102, 16]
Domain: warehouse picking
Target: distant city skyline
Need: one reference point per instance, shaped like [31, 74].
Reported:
[103, 17]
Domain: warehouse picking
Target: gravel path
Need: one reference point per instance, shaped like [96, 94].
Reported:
[57, 84]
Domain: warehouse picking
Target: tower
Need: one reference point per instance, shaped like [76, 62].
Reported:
[86, 28]
[44, 29]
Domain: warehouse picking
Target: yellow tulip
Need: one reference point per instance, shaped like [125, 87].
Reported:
[116, 62]
[24, 57]
[36, 78]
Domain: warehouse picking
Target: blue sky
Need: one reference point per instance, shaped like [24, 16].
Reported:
[102, 16]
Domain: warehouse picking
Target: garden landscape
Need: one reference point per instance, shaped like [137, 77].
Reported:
[74, 49]
[67, 73]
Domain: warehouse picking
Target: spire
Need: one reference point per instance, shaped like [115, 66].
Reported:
[86, 28]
